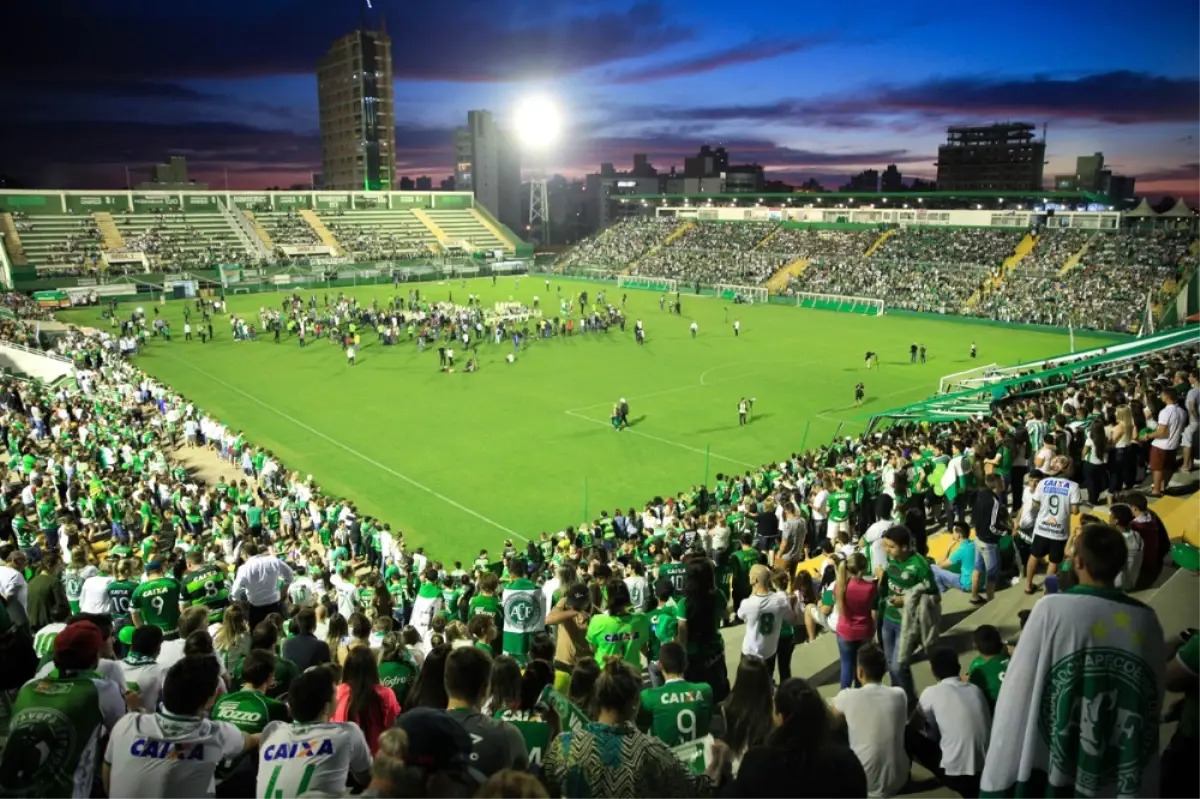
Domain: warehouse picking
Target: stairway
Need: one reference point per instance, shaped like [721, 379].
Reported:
[432, 227]
[259, 230]
[500, 235]
[110, 235]
[779, 281]
[1022, 250]
[774, 231]
[12, 241]
[1074, 260]
[676, 233]
[887, 234]
[322, 232]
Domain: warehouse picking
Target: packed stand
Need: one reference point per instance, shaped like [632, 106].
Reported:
[745, 267]
[985, 247]
[837, 245]
[1107, 290]
[376, 243]
[909, 285]
[618, 246]
[288, 228]
[1054, 248]
[259, 638]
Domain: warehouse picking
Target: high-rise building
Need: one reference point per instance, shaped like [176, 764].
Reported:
[358, 112]
[488, 164]
[1002, 157]
[1089, 172]
[866, 181]
[892, 179]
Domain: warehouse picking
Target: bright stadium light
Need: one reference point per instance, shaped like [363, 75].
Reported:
[538, 122]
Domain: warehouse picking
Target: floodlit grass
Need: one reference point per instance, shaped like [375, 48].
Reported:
[462, 461]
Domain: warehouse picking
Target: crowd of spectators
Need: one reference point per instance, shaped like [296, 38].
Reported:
[376, 243]
[744, 267]
[909, 285]
[618, 246]
[259, 637]
[831, 244]
[288, 228]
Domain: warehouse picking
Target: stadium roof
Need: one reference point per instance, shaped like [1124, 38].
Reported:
[1059, 196]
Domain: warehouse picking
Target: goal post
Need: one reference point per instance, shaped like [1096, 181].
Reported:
[748, 294]
[867, 306]
[650, 283]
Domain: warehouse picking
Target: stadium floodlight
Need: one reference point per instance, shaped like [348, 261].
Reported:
[538, 122]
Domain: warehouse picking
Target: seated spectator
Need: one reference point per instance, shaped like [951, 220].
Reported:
[955, 570]
[175, 752]
[957, 724]
[875, 717]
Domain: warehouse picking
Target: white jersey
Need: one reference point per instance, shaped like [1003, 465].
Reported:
[1055, 497]
[347, 598]
[637, 592]
[93, 597]
[144, 675]
[296, 759]
[764, 615]
[303, 592]
[164, 755]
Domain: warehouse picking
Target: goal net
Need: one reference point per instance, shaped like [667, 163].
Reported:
[838, 302]
[747, 294]
[651, 283]
[971, 378]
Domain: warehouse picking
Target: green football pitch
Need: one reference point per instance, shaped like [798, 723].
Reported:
[462, 461]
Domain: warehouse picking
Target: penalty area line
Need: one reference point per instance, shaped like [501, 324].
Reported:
[666, 441]
[357, 454]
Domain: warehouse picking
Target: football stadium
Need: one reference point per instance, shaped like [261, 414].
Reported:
[717, 429]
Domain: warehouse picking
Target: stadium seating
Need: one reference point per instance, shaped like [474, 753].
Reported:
[174, 241]
[60, 244]
[460, 225]
[616, 247]
[380, 233]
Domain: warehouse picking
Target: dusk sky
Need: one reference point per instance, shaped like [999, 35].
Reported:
[806, 89]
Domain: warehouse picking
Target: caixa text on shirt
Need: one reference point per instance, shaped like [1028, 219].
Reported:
[294, 749]
[166, 750]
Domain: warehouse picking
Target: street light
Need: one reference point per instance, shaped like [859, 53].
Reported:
[538, 124]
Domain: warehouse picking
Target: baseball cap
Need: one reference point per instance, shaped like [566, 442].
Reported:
[435, 738]
[154, 566]
[78, 645]
[579, 597]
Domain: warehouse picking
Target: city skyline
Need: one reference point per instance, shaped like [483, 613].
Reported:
[805, 92]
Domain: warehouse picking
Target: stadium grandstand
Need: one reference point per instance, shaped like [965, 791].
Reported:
[198, 568]
[81, 234]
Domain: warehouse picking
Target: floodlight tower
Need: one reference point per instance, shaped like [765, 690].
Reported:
[538, 123]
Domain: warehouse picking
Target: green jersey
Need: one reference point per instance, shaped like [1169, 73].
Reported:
[535, 730]
[207, 586]
[620, 636]
[481, 603]
[744, 559]
[901, 575]
[249, 711]
[839, 506]
[988, 674]
[399, 675]
[52, 731]
[157, 602]
[677, 712]
[120, 593]
[25, 533]
[664, 628]
[675, 572]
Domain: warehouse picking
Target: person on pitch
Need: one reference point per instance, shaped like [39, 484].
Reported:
[623, 412]
[872, 358]
[860, 391]
[744, 406]
[616, 416]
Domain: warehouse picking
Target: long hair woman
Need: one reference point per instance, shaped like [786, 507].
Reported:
[1122, 467]
[336, 637]
[398, 669]
[1095, 461]
[855, 597]
[817, 763]
[429, 689]
[505, 685]
[361, 699]
[700, 612]
[612, 757]
[748, 708]
[232, 638]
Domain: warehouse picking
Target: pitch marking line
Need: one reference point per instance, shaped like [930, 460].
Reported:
[666, 441]
[357, 454]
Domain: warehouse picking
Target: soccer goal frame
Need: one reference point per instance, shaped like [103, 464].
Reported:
[867, 306]
[662, 284]
[752, 294]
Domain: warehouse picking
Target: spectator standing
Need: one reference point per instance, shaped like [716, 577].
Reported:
[906, 572]
[989, 516]
[856, 598]
[957, 726]
[677, 712]
[764, 613]
[174, 753]
[143, 673]
[1179, 774]
[58, 720]
[14, 590]
[875, 717]
[1165, 440]
[1055, 500]
[1083, 691]
[260, 581]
